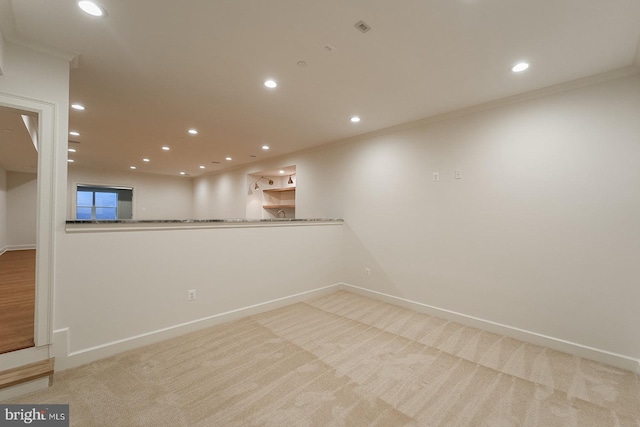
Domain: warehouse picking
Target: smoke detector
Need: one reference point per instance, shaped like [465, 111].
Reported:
[362, 26]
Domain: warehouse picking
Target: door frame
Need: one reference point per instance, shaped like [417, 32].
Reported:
[46, 210]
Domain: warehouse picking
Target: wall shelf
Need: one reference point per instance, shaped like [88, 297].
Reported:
[279, 198]
[278, 190]
[278, 206]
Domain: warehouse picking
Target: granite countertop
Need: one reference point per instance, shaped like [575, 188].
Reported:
[197, 221]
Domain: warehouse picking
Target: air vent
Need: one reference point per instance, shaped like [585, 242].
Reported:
[362, 26]
[215, 163]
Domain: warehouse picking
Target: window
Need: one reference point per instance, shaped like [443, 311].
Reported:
[103, 202]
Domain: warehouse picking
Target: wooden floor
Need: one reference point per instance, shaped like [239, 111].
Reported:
[17, 299]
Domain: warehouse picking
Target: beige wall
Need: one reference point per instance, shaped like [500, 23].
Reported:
[540, 234]
[21, 209]
[154, 196]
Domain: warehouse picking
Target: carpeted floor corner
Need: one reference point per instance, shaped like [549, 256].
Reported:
[345, 360]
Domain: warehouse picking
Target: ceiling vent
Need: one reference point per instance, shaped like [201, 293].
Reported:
[362, 26]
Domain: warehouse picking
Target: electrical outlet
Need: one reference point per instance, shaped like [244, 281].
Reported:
[457, 174]
[436, 176]
[191, 294]
[367, 271]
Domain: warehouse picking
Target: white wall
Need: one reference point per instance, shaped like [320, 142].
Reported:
[21, 209]
[154, 196]
[3, 210]
[119, 288]
[39, 82]
[541, 233]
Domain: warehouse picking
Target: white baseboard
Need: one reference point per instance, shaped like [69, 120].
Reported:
[66, 359]
[24, 388]
[20, 247]
[586, 352]
[3, 250]
[22, 357]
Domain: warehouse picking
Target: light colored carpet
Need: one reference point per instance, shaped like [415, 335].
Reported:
[345, 360]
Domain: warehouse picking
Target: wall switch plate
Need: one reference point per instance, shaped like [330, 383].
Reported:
[457, 174]
[191, 294]
[436, 176]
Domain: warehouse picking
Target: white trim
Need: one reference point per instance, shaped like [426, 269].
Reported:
[46, 211]
[13, 359]
[66, 359]
[19, 248]
[24, 388]
[603, 356]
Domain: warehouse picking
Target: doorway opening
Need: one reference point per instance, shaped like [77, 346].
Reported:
[27, 195]
[18, 207]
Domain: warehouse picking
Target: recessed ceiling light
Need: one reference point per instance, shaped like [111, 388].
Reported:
[92, 8]
[70, 160]
[74, 133]
[193, 131]
[265, 147]
[132, 167]
[201, 166]
[183, 173]
[71, 150]
[146, 160]
[165, 148]
[281, 171]
[355, 119]
[270, 84]
[77, 107]
[228, 158]
[520, 67]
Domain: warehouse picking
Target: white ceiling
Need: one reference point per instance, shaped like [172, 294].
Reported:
[152, 69]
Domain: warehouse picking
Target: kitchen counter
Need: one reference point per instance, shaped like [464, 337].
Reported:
[167, 224]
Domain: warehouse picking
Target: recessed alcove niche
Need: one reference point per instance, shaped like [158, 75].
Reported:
[271, 194]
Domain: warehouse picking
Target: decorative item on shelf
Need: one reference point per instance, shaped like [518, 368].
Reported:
[290, 181]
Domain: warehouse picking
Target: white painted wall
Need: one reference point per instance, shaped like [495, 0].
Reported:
[154, 196]
[541, 233]
[21, 209]
[3, 210]
[122, 286]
